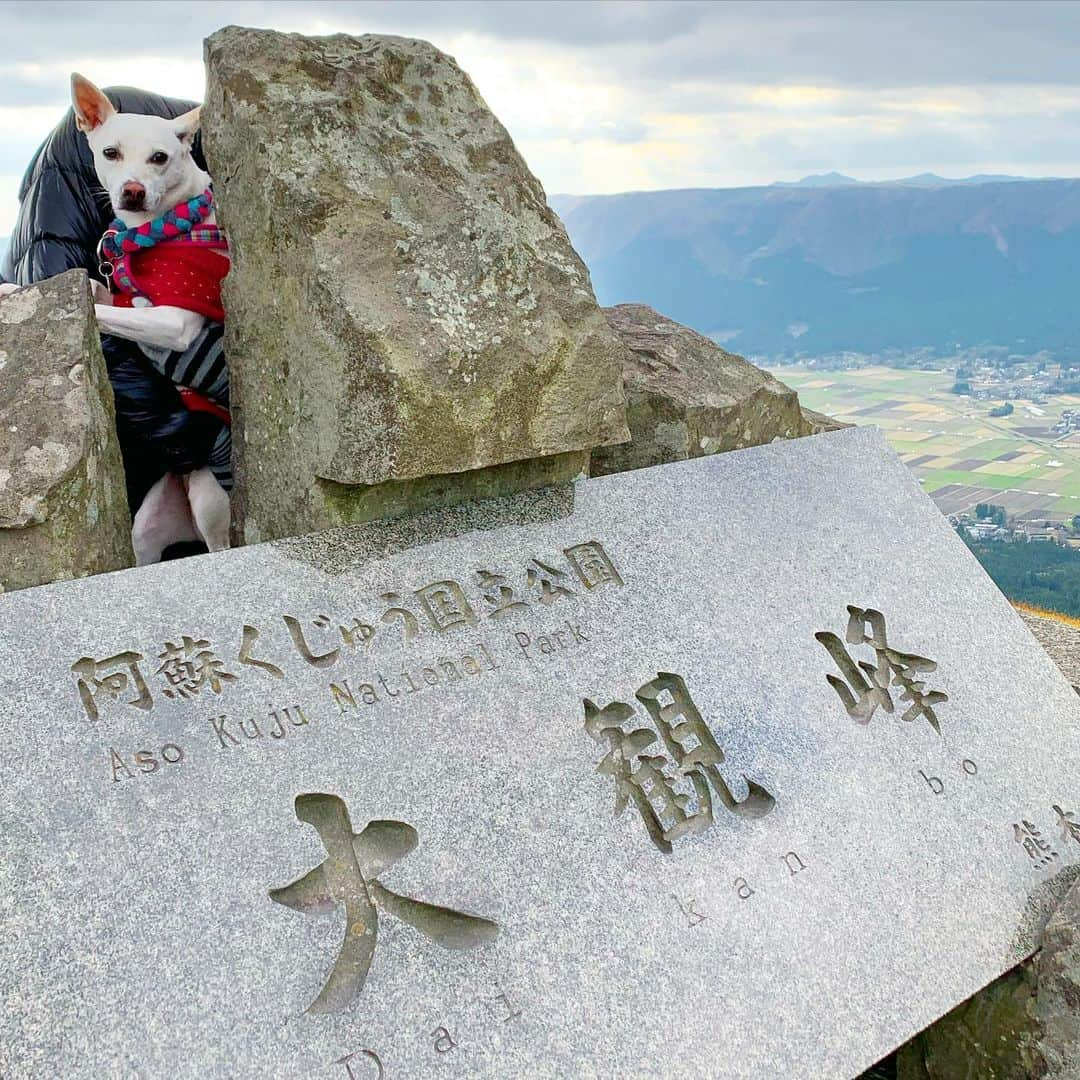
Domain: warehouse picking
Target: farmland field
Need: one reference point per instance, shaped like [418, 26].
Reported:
[960, 454]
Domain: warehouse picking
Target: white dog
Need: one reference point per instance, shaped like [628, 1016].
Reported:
[145, 165]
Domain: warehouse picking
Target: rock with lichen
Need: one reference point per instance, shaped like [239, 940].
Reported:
[814, 423]
[686, 397]
[407, 321]
[63, 504]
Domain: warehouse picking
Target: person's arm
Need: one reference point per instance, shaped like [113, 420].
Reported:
[165, 327]
[58, 226]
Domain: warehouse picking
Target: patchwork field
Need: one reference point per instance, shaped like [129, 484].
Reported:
[960, 454]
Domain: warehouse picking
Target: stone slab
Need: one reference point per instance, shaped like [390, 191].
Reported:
[893, 876]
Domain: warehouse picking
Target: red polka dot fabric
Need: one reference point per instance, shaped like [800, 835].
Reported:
[179, 275]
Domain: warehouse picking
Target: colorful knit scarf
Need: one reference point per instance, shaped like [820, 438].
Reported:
[119, 240]
[183, 226]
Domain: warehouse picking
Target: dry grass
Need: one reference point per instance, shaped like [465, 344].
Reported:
[1043, 613]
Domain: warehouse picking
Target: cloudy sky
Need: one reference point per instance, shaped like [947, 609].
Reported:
[613, 95]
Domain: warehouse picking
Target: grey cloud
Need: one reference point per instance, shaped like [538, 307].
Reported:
[623, 132]
[883, 44]
[678, 58]
[887, 43]
[1016, 140]
[16, 90]
[44, 30]
[15, 155]
[627, 131]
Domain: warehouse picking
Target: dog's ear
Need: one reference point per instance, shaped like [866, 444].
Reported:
[186, 125]
[92, 107]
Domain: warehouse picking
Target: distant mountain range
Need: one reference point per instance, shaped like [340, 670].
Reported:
[831, 264]
[926, 179]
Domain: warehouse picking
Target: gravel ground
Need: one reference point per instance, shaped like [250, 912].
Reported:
[1060, 640]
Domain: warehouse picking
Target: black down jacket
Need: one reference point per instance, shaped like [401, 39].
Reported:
[63, 212]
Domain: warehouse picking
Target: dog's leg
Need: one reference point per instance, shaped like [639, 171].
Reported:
[164, 518]
[209, 503]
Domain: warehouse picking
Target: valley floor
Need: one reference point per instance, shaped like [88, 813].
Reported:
[960, 454]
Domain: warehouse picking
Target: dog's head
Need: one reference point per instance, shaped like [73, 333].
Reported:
[143, 162]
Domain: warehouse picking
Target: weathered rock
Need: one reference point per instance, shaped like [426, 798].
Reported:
[1057, 1003]
[403, 304]
[63, 506]
[986, 1038]
[1024, 1025]
[687, 397]
[814, 423]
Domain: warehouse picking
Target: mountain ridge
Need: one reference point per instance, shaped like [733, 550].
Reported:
[926, 179]
[780, 271]
[836, 179]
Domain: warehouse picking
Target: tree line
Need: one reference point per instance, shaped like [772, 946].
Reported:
[1043, 575]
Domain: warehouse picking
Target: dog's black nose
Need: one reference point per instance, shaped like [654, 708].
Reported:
[132, 195]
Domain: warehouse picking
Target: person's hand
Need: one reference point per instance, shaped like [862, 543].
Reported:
[6, 288]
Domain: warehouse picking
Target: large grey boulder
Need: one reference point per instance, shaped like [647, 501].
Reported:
[1057, 1000]
[63, 505]
[687, 397]
[407, 321]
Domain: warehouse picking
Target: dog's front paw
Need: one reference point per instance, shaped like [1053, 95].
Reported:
[101, 294]
[6, 288]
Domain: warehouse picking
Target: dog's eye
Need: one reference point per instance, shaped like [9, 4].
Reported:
[110, 153]
[159, 158]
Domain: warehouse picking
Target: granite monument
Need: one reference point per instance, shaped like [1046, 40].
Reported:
[735, 767]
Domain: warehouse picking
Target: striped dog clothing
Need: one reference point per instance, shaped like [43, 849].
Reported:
[201, 366]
